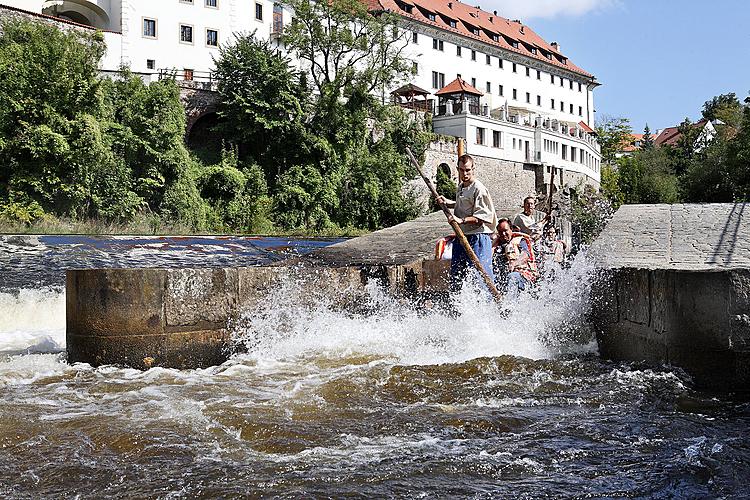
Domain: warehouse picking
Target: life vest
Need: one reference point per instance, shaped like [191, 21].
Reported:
[444, 248]
[530, 271]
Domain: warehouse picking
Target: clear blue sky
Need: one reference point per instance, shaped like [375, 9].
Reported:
[658, 61]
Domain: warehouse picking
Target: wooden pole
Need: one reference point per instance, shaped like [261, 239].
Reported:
[457, 230]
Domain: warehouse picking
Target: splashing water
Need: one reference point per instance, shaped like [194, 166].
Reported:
[540, 325]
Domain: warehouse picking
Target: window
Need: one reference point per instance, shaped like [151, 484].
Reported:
[438, 80]
[552, 79]
[562, 81]
[212, 3]
[480, 135]
[515, 94]
[515, 68]
[538, 75]
[474, 82]
[431, 17]
[571, 84]
[458, 50]
[150, 64]
[437, 44]
[514, 143]
[212, 38]
[528, 97]
[452, 23]
[564, 152]
[496, 138]
[528, 71]
[414, 37]
[552, 103]
[499, 63]
[571, 109]
[580, 110]
[533, 50]
[579, 87]
[473, 55]
[186, 33]
[187, 1]
[415, 68]
[488, 59]
[489, 87]
[149, 28]
[562, 106]
[259, 11]
[500, 90]
[187, 74]
[538, 100]
[572, 153]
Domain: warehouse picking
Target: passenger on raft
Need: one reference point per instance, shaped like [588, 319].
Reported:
[475, 213]
[513, 261]
[531, 221]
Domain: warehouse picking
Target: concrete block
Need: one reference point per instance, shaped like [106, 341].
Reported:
[200, 297]
[633, 295]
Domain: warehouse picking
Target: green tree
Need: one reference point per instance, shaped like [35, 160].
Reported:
[724, 107]
[648, 141]
[346, 46]
[613, 134]
[262, 104]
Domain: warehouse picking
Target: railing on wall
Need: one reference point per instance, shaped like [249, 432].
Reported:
[205, 80]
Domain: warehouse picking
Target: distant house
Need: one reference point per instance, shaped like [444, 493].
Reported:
[630, 145]
[670, 136]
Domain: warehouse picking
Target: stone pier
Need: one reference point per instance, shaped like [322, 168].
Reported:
[676, 290]
[182, 318]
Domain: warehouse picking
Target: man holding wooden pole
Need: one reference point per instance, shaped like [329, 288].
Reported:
[475, 214]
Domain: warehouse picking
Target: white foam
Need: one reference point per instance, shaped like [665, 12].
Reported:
[32, 320]
[539, 326]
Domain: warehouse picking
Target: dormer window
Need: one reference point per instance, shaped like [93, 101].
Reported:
[496, 37]
[475, 31]
[533, 50]
[452, 23]
[564, 61]
[548, 56]
[514, 44]
[431, 17]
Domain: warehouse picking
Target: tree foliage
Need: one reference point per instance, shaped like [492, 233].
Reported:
[613, 134]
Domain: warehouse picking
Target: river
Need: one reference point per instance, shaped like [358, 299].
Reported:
[325, 403]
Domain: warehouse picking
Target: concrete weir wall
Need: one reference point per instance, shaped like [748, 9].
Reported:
[676, 290]
[183, 318]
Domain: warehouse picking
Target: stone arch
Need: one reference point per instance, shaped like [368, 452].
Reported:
[201, 138]
[80, 11]
[447, 170]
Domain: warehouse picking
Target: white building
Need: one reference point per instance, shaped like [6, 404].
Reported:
[533, 104]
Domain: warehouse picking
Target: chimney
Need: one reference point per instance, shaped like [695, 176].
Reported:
[555, 46]
[490, 18]
[450, 5]
[494, 12]
[521, 29]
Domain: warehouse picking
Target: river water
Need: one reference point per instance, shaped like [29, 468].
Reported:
[324, 403]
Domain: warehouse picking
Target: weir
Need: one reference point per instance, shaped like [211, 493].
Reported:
[674, 288]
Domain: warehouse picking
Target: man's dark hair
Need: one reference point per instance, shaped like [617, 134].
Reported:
[529, 198]
[505, 219]
[466, 158]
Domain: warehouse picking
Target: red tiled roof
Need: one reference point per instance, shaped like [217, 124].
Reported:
[671, 135]
[492, 29]
[585, 127]
[456, 86]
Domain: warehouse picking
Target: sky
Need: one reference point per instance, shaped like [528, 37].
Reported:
[657, 61]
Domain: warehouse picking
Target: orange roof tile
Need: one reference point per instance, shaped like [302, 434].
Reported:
[585, 127]
[456, 86]
[492, 29]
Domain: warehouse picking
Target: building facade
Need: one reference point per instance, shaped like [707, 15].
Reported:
[533, 105]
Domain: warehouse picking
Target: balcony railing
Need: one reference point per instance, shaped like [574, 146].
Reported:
[421, 105]
[205, 80]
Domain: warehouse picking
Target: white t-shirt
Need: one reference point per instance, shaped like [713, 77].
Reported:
[474, 200]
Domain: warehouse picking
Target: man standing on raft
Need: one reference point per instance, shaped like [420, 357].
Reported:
[475, 213]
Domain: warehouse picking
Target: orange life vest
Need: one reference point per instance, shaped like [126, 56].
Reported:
[442, 245]
[529, 270]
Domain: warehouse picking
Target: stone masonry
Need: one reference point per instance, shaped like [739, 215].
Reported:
[676, 290]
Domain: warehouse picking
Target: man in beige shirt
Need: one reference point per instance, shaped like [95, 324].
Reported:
[531, 221]
[475, 213]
